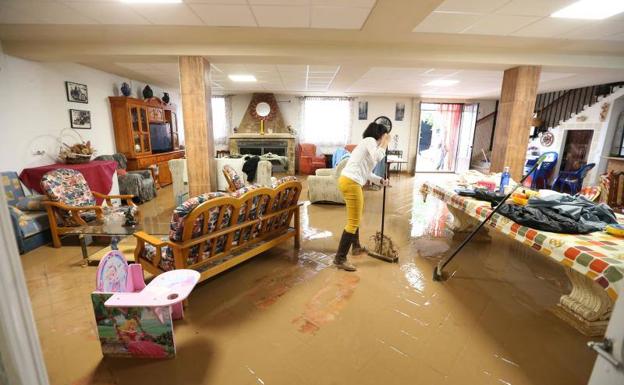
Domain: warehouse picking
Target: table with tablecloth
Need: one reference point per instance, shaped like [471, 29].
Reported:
[98, 174]
[594, 262]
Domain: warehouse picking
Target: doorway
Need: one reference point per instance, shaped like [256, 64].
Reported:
[445, 136]
[576, 149]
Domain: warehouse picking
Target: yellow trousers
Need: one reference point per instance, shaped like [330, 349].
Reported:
[354, 197]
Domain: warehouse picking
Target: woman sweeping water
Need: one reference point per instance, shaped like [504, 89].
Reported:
[355, 174]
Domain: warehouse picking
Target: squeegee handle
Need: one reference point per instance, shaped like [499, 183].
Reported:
[448, 259]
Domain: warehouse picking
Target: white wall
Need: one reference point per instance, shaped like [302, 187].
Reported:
[34, 114]
[601, 140]
[384, 106]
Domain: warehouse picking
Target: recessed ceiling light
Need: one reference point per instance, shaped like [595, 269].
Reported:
[442, 82]
[151, 1]
[242, 78]
[591, 9]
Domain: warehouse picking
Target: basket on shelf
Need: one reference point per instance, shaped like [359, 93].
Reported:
[76, 154]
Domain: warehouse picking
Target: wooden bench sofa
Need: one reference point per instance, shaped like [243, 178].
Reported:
[215, 231]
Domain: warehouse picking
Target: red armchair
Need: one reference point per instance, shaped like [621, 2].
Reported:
[309, 162]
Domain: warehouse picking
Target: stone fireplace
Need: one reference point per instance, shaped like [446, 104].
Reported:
[257, 144]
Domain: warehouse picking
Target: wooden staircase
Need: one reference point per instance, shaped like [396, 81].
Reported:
[552, 108]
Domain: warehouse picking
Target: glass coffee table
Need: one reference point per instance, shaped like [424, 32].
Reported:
[115, 231]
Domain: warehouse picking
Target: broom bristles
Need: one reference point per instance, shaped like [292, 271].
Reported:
[384, 245]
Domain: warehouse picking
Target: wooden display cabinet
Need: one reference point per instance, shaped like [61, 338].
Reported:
[131, 122]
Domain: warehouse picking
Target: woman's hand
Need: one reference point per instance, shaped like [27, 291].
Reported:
[384, 182]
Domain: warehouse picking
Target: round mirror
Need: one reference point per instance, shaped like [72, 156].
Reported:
[263, 109]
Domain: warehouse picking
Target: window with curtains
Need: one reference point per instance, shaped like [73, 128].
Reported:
[326, 121]
[219, 120]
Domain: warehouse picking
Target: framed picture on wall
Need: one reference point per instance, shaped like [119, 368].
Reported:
[76, 92]
[80, 119]
[399, 112]
[362, 110]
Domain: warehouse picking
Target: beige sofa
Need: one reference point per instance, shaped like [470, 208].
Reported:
[323, 187]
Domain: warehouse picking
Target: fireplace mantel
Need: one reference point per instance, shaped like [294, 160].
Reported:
[253, 135]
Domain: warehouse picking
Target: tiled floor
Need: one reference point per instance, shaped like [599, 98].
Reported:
[278, 319]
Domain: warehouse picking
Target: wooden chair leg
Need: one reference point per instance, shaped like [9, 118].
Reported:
[56, 240]
[297, 228]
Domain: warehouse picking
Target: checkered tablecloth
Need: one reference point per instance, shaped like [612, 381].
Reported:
[598, 255]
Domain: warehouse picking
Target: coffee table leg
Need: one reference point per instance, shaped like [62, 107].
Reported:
[83, 246]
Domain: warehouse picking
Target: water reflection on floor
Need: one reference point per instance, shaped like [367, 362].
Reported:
[291, 318]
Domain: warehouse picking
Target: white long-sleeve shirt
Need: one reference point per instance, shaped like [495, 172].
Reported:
[363, 160]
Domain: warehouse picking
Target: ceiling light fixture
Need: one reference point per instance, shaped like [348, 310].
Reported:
[151, 1]
[242, 78]
[442, 82]
[591, 9]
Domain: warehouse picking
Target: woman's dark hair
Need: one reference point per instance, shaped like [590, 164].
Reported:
[375, 131]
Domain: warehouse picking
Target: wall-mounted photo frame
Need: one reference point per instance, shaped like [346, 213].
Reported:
[80, 119]
[76, 92]
[362, 110]
[399, 112]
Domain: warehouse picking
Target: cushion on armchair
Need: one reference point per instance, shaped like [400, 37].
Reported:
[176, 230]
[29, 223]
[233, 178]
[136, 182]
[31, 203]
[67, 186]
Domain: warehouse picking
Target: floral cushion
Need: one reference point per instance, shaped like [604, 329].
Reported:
[282, 180]
[233, 177]
[176, 229]
[29, 223]
[283, 200]
[67, 186]
[31, 203]
[12, 187]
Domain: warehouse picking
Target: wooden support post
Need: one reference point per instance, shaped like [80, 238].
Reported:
[197, 115]
[515, 110]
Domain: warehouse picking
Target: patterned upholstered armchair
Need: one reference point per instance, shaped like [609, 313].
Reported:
[28, 216]
[234, 180]
[71, 202]
[323, 187]
[138, 183]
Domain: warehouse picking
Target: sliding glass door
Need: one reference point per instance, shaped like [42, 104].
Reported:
[445, 136]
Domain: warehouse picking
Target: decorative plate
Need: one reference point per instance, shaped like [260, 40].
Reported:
[547, 139]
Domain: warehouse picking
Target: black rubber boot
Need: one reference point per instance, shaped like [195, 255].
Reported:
[357, 248]
[340, 260]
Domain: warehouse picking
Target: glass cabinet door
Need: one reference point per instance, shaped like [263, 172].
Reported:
[144, 125]
[137, 142]
[146, 143]
[134, 117]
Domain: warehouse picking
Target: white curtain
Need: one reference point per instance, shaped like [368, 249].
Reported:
[219, 120]
[326, 121]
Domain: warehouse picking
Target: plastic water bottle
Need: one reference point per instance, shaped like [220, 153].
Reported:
[504, 179]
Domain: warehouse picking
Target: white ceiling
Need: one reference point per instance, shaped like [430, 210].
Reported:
[336, 14]
[318, 79]
[523, 18]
